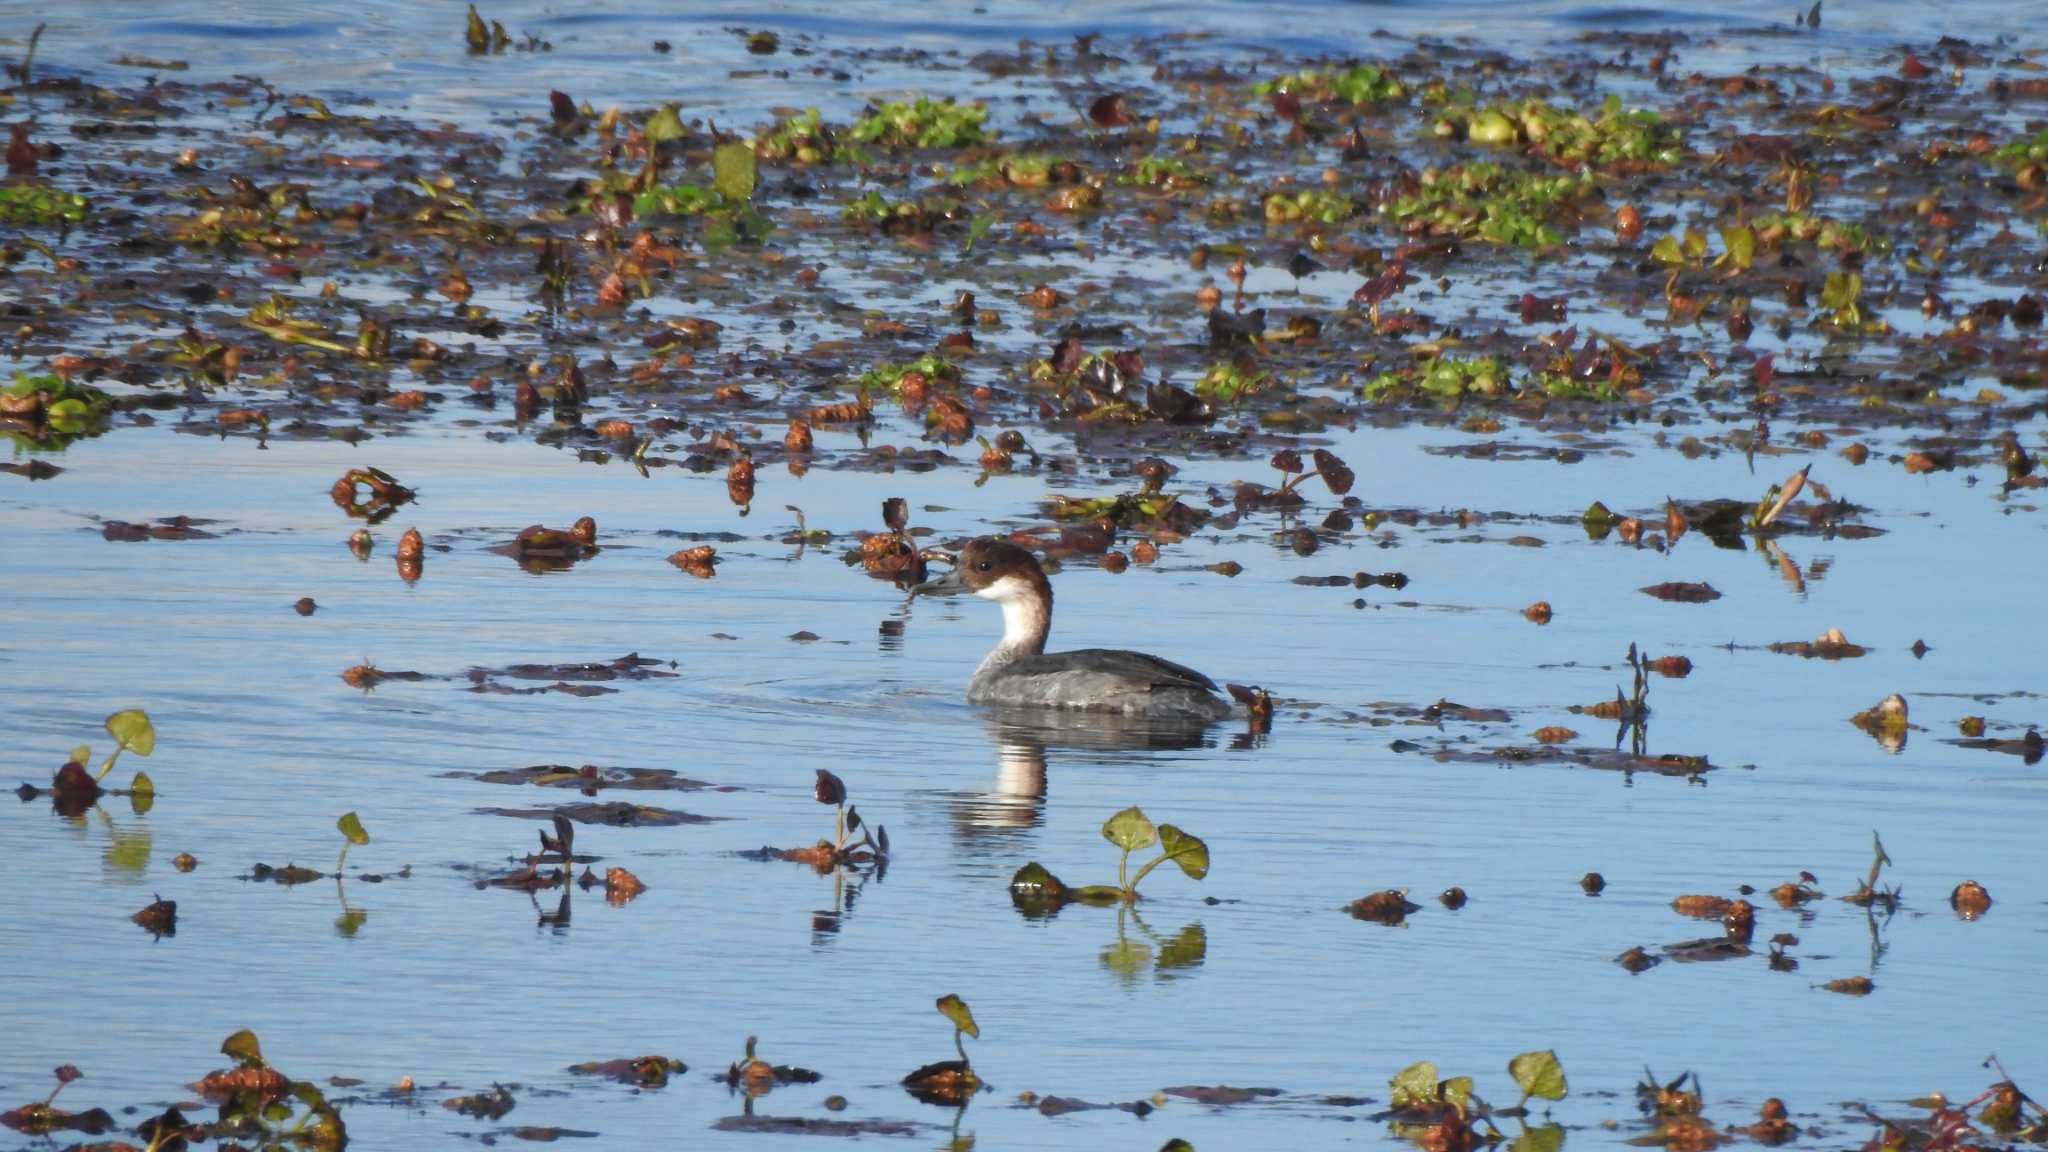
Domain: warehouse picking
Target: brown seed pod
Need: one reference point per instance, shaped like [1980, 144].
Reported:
[798, 438]
[411, 546]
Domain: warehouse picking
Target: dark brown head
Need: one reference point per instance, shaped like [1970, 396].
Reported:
[993, 569]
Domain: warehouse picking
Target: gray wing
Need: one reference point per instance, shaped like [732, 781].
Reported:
[1134, 666]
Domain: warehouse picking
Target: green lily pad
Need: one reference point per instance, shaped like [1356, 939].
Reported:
[1130, 830]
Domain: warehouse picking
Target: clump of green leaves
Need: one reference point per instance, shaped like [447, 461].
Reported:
[1035, 888]
[43, 412]
[888, 376]
[1439, 1113]
[1774, 228]
[922, 123]
[900, 217]
[1442, 377]
[731, 189]
[1363, 84]
[949, 1082]
[1024, 170]
[1490, 203]
[806, 139]
[262, 1108]
[1229, 381]
[1312, 204]
[1165, 173]
[1839, 294]
[1614, 137]
[2024, 151]
[24, 204]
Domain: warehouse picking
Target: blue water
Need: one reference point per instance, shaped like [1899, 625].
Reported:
[261, 745]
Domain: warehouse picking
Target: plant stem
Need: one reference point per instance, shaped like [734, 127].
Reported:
[339, 861]
[109, 765]
[1122, 863]
[960, 1047]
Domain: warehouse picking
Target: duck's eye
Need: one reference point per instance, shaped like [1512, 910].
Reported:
[983, 565]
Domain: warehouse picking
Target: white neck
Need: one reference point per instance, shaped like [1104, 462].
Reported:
[1027, 618]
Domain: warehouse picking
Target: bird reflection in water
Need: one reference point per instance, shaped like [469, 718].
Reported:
[986, 821]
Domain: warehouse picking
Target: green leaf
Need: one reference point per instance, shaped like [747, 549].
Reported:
[142, 785]
[978, 227]
[1130, 830]
[1097, 894]
[1187, 851]
[1414, 1085]
[132, 731]
[1666, 251]
[243, 1049]
[348, 922]
[1741, 245]
[732, 172]
[955, 1009]
[1539, 1075]
[1695, 244]
[1456, 1091]
[82, 754]
[352, 827]
[69, 416]
[663, 125]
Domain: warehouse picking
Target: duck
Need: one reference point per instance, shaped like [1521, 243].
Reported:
[1019, 672]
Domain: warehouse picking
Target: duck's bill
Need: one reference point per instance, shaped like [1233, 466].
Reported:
[948, 585]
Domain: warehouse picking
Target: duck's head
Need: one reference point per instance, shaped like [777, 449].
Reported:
[993, 569]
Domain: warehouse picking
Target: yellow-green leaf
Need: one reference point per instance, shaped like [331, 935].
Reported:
[243, 1049]
[1538, 1074]
[955, 1009]
[142, 785]
[663, 125]
[1413, 1085]
[132, 731]
[1130, 830]
[1666, 251]
[732, 172]
[352, 827]
[1741, 245]
[82, 754]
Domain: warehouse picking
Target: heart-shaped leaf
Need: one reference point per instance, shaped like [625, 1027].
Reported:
[663, 125]
[1187, 851]
[352, 827]
[243, 1049]
[142, 785]
[1414, 1085]
[1456, 1091]
[132, 731]
[81, 755]
[955, 1009]
[1539, 1075]
[1130, 830]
